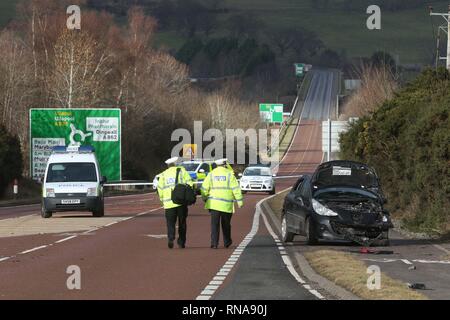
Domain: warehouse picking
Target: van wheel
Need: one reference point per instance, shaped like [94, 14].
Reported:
[311, 236]
[272, 192]
[100, 212]
[45, 214]
[285, 234]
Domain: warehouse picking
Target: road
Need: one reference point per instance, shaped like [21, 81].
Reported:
[125, 256]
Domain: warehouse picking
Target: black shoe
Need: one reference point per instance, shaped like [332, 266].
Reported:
[228, 244]
[182, 246]
[170, 245]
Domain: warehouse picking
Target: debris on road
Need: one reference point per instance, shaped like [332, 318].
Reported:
[412, 268]
[416, 286]
[366, 250]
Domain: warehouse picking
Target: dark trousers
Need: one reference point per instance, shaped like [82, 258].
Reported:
[172, 215]
[217, 218]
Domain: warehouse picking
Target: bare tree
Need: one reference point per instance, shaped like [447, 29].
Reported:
[79, 71]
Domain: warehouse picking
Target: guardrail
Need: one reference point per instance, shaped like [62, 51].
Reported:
[288, 122]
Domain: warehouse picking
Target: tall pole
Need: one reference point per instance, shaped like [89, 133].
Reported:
[329, 140]
[446, 16]
[448, 39]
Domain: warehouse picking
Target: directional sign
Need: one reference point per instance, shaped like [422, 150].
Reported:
[272, 113]
[99, 128]
[299, 69]
[189, 151]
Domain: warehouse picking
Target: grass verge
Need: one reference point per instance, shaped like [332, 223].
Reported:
[276, 203]
[351, 274]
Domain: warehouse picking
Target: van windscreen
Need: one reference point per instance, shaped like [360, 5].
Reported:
[72, 172]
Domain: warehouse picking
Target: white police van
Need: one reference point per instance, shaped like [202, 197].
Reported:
[73, 182]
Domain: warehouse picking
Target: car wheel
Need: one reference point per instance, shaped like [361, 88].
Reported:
[311, 236]
[45, 214]
[100, 212]
[285, 234]
[244, 192]
[273, 191]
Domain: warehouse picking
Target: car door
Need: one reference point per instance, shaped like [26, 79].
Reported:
[292, 207]
[304, 205]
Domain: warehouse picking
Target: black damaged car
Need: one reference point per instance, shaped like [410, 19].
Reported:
[343, 200]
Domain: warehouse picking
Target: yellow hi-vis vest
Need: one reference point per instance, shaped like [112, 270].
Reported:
[166, 184]
[221, 190]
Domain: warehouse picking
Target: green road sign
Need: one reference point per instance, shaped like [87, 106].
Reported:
[99, 128]
[299, 69]
[272, 113]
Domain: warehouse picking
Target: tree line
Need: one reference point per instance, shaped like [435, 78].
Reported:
[105, 64]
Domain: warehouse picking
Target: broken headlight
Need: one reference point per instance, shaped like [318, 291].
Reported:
[320, 209]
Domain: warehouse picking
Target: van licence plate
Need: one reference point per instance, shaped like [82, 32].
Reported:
[71, 201]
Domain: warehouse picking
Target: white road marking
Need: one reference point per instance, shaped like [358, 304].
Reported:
[208, 292]
[34, 249]
[288, 262]
[75, 236]
[409, 262]
[65, 239]
[157, 236]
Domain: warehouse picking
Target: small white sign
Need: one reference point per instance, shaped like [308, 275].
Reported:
[340, 171]
[104, 129]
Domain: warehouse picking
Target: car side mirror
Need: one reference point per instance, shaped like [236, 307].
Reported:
[300, 199]
[104, 180]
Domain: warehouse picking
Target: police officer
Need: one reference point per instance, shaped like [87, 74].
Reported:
[221, 190]
[166, 184]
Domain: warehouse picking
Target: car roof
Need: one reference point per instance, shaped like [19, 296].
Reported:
[71, 158]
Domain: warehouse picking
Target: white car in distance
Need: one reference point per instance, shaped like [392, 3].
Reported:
[257, 179]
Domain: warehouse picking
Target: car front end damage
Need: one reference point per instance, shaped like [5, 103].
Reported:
[357, 219]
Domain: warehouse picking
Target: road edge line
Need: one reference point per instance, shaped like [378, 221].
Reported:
[306, 269]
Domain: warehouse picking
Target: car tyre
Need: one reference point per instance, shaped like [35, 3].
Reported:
[45, 214]
[285, 234]
[311, 236]
[100, 212]
[273, 191]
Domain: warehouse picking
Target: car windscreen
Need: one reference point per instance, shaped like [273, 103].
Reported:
[190, 166]
[71, 172]
[264, 172]
[348, 175]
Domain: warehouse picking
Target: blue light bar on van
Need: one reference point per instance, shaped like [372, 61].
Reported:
[73, 149]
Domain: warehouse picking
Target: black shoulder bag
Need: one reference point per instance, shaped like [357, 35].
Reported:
[183, 194]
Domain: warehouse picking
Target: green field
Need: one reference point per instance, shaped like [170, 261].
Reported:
[7, 11]
[407, 34]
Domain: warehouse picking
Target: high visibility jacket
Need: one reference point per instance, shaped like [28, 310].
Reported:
[221, 190]
[166, 184]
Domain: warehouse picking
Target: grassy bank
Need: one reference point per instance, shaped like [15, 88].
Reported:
[351, 274]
